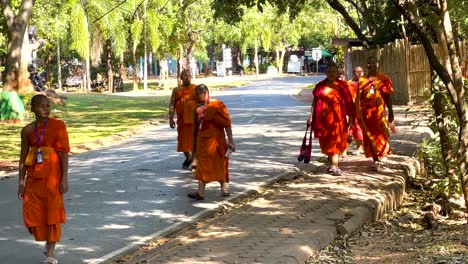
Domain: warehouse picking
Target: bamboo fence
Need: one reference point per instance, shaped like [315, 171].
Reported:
[406, 65]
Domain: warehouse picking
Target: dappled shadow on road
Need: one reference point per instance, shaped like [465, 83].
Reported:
[135, 191]
[299, 217]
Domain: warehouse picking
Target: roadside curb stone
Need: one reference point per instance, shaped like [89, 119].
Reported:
[315, 226]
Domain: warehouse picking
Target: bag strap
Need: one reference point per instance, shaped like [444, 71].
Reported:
[310, 135]
[304, 141]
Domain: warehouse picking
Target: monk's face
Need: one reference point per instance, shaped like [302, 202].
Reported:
[332, 73]
[41, 108]
[372, 64]
[186, 78]
[203, 96]
[341, 75]
[358, 73]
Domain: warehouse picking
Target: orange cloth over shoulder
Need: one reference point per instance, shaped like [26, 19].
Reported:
[356, 130]
[43, 209]
[370, 110]
[333, 139]
[185, 105]
[211, 142]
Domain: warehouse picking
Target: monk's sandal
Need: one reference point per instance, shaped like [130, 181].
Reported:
[195, 196]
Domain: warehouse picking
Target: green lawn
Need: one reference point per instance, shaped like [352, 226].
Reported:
[90, 117]
[93, 116]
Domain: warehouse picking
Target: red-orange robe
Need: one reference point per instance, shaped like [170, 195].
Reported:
[43, 210]
[370, 109]
[356, 130]
[211, 144]
[185, 105]
[333, 103]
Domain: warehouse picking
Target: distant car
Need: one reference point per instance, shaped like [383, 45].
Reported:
[73, 81]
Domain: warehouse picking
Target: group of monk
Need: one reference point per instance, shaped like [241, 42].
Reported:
[203, 123]
[358, 108]
[205, 137]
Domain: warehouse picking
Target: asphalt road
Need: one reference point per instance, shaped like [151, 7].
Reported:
[130, 192]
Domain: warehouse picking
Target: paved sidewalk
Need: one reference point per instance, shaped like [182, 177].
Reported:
[300, 214]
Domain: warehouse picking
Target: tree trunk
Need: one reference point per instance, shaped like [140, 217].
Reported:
[135, 78]
[59, 66]
[453, 82]
[16, 26]
[110, 72]
[457, 80]
[87, 83]
[24, 83]
[442, 114]
[256, 58]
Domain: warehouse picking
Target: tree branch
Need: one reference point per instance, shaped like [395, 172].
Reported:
[25, 12]
[8, 13]
[335, 4]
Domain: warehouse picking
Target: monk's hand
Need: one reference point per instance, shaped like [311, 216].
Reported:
[21, 191]
[63, 187]
[232, 146]
[350, 122]
[390, 116]
[172, 123]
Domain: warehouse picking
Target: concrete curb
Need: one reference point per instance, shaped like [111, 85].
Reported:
[180, 227]
[387, 201]
[373, 209]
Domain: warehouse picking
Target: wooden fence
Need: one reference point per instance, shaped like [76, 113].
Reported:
[407, 67]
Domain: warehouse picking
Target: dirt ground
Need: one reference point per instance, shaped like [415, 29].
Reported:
[403, 237]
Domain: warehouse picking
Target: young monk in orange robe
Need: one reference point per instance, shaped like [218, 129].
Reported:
[373, 95]
[330, 109]
[183, 102]
[356, 130]
[211, 149]
[44, 159]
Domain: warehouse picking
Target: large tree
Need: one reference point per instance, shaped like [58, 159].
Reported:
[16, 26]
[449, 71]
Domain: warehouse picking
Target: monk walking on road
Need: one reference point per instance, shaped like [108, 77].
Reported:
[356, 130]
[183, 102]
[44, 162]
[373, 95]
[211, 151]
[331, 110]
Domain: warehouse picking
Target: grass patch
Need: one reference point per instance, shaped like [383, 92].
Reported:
[93, 116]
[213, 84]
[90, 117]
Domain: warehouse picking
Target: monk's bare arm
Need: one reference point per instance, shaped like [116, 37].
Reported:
[64, 165]
[172, 108]
[195, 134]
[23, 153]
[230, 139]
[311, 117]
[388, 102]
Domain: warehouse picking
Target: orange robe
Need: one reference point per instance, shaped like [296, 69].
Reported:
[211, 142]
[356, 130]
[43, 210]
[185, 105]
[332, 104]
[370, 108]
